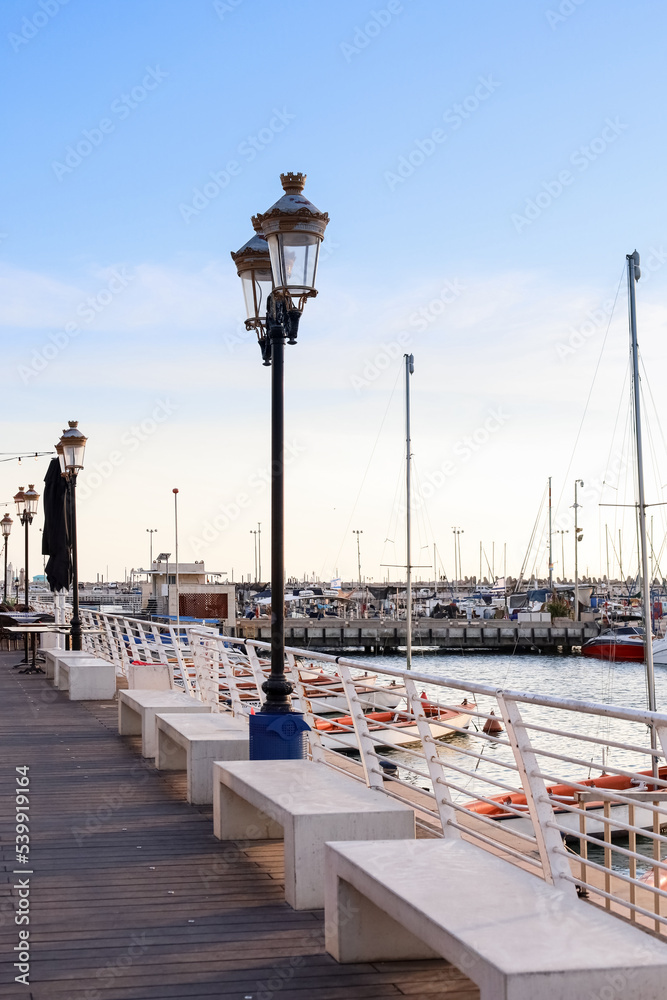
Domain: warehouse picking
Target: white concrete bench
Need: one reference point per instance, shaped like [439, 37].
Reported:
[54, 656]
[87, 679]
[306, 804]
[514, 935]
[187, 742]
[150, 676]
[137, 710]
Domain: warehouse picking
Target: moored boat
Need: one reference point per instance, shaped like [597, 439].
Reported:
[504, 807]
[625, 644]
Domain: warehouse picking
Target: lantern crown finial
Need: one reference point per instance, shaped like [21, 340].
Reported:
[293, 183]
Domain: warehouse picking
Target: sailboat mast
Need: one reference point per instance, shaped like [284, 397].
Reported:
[551, 561]
[409, 369]
[633, 276]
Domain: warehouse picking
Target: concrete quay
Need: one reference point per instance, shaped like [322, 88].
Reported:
[386, 636]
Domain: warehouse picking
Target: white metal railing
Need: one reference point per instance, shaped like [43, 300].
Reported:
[525, 792]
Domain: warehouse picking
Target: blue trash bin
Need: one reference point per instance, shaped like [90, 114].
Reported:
[278, 737]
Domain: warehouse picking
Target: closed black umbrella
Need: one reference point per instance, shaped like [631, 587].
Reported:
[55, 537]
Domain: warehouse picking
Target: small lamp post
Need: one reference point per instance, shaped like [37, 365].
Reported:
[71, 449]
[26, 507]
[6, 524]
[278, 268]
[578, 536]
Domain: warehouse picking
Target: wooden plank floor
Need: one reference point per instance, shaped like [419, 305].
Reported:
[132, 897]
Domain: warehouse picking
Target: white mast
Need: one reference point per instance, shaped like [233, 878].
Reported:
[409, 369]
[633, 276]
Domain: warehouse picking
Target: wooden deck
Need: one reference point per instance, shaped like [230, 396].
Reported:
[133, 898]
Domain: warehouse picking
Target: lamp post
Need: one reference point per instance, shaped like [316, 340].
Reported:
[151, 532]
[6, 531]
[255, 534]
[457, 532]
[578, 535]
[71, 449]
[278, 267]
[26, 507]
[562, 532]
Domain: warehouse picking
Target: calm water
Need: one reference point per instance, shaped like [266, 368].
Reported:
[621, 684]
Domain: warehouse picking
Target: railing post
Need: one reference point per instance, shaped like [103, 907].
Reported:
[256, 668]
[549, 842]
[190, 687]
[369, 758]
[230, 678]
[443, 799]
[317, 752]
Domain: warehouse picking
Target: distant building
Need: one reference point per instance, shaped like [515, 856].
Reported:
[199, 594]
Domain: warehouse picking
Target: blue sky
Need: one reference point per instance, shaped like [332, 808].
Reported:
[488, 166]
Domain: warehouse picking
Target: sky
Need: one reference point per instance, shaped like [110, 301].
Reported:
[486, 168]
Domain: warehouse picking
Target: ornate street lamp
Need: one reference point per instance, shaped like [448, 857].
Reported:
[284, 251]
[70, 450]
[6, 525]
[26, 507]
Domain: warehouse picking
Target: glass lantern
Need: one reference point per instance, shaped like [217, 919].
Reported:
[294, 229]
[74, 445]
[253, 266]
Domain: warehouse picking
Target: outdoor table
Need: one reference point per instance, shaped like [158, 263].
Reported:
[34, 630]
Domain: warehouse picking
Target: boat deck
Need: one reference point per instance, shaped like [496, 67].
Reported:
[133, 898]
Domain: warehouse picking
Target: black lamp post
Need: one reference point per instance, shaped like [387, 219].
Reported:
[6, 524]
[278, 267]
[71, 449]
[26, 507]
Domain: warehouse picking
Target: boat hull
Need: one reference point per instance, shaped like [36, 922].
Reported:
[619, 652]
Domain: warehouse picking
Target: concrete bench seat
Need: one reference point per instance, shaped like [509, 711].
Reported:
[54, 656]
[516, 936]
[306, 804]
[137, 710]
[187, 742]
[91, 679]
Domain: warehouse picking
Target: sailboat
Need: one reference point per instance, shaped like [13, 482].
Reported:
[565, 793]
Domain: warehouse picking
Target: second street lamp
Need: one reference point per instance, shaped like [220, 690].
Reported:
[71, 449]
[6, 531]
[6, 524]
[284, 252]
[26, 507]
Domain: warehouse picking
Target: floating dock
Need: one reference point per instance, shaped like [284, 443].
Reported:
[373, 636]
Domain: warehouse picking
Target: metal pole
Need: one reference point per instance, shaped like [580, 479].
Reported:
[178, 600]
[259, 551]
[76, 620]
[26, 521]
[4, 592]
[606, 539]
[276, 687]
[551, 560]
[633, 276]
[409, 369]
[577, 483]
